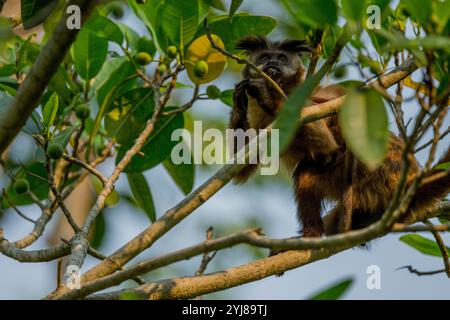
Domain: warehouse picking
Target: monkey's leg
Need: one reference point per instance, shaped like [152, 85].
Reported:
[309, 203]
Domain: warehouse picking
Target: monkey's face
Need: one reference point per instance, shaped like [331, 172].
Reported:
[279, 65]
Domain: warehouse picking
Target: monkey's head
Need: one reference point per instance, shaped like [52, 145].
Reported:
[279, 59]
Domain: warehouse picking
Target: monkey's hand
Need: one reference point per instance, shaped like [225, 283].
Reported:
[260, 90]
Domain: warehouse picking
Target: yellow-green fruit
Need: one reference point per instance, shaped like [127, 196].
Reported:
[21, 186]
[201, 68]
[162, 68]
[213, 92]
[143, 58]
[55, 151]
[172, 52]
[340, 72]
[82, 111]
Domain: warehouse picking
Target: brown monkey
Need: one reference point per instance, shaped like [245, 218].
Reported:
[317, 155]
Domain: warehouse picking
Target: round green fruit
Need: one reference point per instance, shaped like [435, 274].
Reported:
[143, 58]
[82, 111]
[340, 72]
[162, 68]
[55, 151]
[21, 186]
[172, 52]
[213, 92]
[201, 69]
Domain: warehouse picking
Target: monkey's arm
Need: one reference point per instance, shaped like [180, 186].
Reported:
[239, 120]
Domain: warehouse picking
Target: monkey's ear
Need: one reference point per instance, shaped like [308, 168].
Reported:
[295, 46]
[252, 43]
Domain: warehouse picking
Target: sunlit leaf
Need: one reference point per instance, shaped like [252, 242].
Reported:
[90, 53]
[364, 122]
[180, 20]
[422, 244]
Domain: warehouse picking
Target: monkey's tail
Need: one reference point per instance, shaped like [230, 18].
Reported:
[428, 196]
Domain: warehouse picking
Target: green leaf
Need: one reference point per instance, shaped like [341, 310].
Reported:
[141, 193]
[422, 244]
[203, 7]
[104, 28]
[310, 13]
[227, 97]
[180, 21]
[38, 186]
[150, 14]
[241, 25]
[90, 53]
[183, 175]
[127, 118]
[442, 166]
[353, 9]
[51, 110]
[364, 124]
[430, 42]
[158, 146]
[286, 121]
[99, 231]
[334, 292]
[235, 4]
[36, 11]
[419, 9]
[63, 137]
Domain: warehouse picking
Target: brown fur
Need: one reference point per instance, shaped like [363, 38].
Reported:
[317, 158]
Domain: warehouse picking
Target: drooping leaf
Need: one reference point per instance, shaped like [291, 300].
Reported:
[364, 122]
[422, 244]
[51, 110]
[104, 28]
[334, 292]
[98, 231]
[158, 146]
[183, 174]
[35, 12]
[142, 194]
[180, 21]
[90, 53]
[235, 4]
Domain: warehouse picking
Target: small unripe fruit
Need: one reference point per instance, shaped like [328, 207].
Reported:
[55, 151]
[340, 72]
[172, 52]
[201, 68]
[213, 92]
[21, 186]
[143, 58]
[82, 111]
[162, 68]
[117, 11]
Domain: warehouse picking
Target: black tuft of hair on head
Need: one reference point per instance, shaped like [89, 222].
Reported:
[253, 43]
[293, 45]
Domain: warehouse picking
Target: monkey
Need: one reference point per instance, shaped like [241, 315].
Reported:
[316, 158]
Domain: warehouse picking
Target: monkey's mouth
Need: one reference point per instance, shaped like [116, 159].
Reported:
[273, 72]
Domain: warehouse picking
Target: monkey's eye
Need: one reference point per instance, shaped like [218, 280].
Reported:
[282, 58]
[264, 58]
